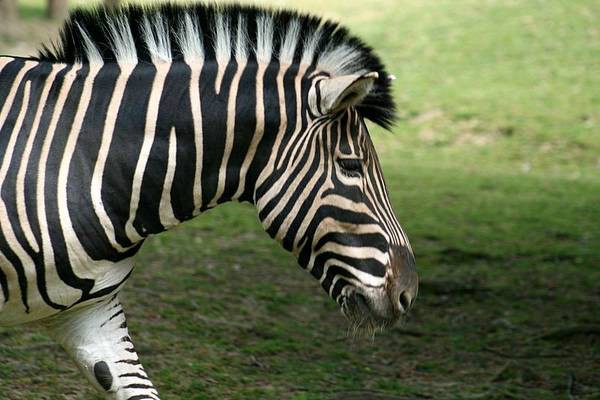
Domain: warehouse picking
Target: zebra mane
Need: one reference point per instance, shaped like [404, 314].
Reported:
[170, 32]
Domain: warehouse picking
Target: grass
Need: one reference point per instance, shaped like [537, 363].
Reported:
[494, 172]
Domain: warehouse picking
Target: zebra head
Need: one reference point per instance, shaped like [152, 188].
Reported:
[326, 201]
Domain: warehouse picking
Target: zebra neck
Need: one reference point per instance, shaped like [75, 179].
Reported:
[247, 114]
[210, 131]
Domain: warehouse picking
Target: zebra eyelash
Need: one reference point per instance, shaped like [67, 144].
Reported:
[351, 167]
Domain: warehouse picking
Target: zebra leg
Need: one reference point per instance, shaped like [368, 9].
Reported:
[96, 337]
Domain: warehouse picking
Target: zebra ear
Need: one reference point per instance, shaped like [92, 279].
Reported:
[344, 91]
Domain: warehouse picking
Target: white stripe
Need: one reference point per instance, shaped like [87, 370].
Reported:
[13, 91]
[283, 122]
[310, 185]
[299, 113]
[385, 216]
[21, 173]
[81, 264]
[288, 190]
[4, 61]
[58, 292]
[361, 277]
[167, 216]
[258, 131]
[16, 128]
[231, 114]
[37, 305]
[107, 135]
[149, 134]
[195, 102]
[309, 217]
[21, 212]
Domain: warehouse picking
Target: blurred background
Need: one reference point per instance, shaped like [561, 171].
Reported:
[494, 172]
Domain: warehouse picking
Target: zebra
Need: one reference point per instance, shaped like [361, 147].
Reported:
[141, 117]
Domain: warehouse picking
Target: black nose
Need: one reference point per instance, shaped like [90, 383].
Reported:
[403, 282]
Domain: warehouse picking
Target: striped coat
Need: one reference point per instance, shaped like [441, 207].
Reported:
[142, 118]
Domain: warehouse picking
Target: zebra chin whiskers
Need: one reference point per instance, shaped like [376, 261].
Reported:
[362, 323]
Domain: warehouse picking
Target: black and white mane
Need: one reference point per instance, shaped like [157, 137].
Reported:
[201, 32]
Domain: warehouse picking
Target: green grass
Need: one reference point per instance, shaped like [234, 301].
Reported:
[494, 173]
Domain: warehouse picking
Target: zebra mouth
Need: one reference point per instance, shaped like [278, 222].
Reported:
[361, 314]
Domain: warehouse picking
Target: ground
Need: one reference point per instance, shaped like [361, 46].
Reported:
[494, 171]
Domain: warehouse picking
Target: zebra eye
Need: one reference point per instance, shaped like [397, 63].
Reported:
[351, 166]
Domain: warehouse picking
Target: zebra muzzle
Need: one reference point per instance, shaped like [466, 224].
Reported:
[402, 280]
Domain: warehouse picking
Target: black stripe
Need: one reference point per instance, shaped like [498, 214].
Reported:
[59, 246]
[245, 124]
[368, 265]
[85, 221]
[182, 192]
[272, 120]
[4, 286]
[372, 240]
[138, 386]
[125, 147]
[120, 312]
[338, 287]
[7, 77]
[130, 362]
[214, 122]
[332, 272]
[15, 263]
[134, 375]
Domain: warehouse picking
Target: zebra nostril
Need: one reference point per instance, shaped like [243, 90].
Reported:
[405, 301]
